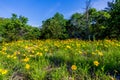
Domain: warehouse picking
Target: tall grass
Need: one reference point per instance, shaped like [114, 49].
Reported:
[60, 60]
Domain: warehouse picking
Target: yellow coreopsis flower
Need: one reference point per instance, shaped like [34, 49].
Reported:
[32, 51]
[73, 67]
[39, 54]
[68, 47]
[32, 55]
[27, 66]
[100, 53]
[16, 52]
[0, 70]
[93, 53]
[4, 53]
[96, 63]
[80, 52]
[46, 49]
[26, 47]
[8, 56]
[14, 57]
[3, 71]
[4, 49]
[26, 59]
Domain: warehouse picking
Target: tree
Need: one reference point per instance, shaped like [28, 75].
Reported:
[16, 28]
[113, 22]
[54, 27]
[98, 23]
[23, 20]
[31, 33]
[88, 6]
[76, 26]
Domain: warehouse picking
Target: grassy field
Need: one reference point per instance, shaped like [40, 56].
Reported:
[60, 60]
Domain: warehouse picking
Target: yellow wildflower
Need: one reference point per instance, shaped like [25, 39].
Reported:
[26, 47]
[73, 67]
[24, 54]
[0, 70]
[31, 55]
[33, 51]
[16, 52]
[4, 49]
[8, 56]
[4, 53]
[93, 53]
[100, 53]
[27, 66]
[80, 52]
[14, 57]
[39, 54]
[96, 63]
[26, 59]
[46, 49]
[3, 71]
[68, 47]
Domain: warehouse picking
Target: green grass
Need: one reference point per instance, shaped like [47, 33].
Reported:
[53, 59]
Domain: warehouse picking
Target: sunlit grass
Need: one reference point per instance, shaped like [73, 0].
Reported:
[61, 59]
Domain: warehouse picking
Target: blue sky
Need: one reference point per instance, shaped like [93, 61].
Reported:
[39, 10]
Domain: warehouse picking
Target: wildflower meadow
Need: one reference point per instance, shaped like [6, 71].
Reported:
[70, 59]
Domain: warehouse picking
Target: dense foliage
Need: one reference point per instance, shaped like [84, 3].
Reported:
[114, 20]
[100, 24]
[54, 27]
[16, 28]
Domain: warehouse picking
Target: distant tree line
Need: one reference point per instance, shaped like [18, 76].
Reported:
[102, 24]
[16, 28]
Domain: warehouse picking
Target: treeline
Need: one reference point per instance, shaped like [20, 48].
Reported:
[16, 28]
[99, 25]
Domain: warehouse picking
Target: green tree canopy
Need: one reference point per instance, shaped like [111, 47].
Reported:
[114, 21]
[16, 28]
[54, 27]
